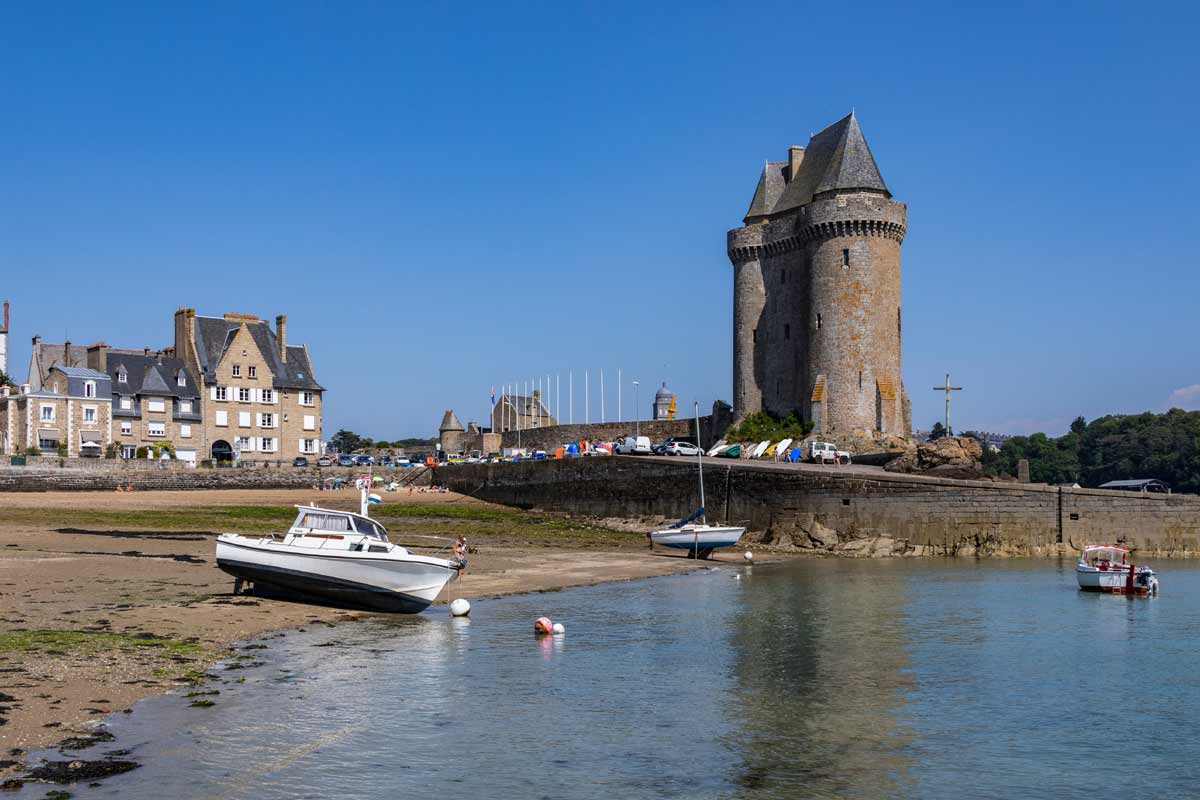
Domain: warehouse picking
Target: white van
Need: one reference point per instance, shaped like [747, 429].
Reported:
[634, 446]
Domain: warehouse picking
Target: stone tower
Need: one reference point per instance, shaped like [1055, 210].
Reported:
[662, 402]
[451, 434]
[816, 290]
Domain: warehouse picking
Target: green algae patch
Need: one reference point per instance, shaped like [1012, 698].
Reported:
[64, 642]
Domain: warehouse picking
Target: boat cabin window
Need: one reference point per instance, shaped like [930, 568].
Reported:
[369, 528]
[324, 522]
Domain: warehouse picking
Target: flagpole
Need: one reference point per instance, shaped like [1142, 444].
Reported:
[601, 396]
[587, 406]
[558, 397]
[571, 396]
[620, 418]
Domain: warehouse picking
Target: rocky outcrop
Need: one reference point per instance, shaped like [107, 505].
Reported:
[948, 457]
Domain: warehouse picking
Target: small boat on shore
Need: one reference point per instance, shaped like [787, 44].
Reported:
[1106, 568]
[338, 557]
[699, 538]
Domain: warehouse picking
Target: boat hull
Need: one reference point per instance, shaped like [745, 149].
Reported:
[353, 580]
[1113, 581]
[704, 539]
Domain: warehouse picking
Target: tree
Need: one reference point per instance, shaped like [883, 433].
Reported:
[345, 441]
[5, 380]
[937, 431]
[1078, 426]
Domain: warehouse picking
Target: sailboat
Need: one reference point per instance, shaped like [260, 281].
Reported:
[693, 533]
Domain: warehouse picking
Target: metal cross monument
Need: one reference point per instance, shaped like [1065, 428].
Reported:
[947, 389]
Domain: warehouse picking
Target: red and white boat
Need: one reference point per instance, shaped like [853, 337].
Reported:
[1107, 568]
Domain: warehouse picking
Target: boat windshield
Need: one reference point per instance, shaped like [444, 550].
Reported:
[369, 528]
[1104, 555]
[319, 521]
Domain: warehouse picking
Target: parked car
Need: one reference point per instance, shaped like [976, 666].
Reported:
[324, 461]
[681, 448]
[299, 461]
[385, 461]
[659, 449]
[634, 446]
[686, 439]
[364, 461]
[827, 453]
[345, 460]
[402, 462]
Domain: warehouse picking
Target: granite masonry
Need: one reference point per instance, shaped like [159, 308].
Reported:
[845, 512]
[816, 291]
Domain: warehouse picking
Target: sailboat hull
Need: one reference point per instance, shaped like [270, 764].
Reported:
[698, 537]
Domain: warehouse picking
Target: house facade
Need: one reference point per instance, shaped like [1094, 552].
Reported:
[71, 412]
[155, 401]
[514, 412]
[229, 387]
[259, 400]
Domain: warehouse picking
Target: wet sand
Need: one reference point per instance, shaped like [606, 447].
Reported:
[107, 598]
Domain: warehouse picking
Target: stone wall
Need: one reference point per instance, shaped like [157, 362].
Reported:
[711, 427]
[49, 479]
[845, 511]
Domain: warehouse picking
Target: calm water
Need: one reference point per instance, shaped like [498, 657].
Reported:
[866, 679]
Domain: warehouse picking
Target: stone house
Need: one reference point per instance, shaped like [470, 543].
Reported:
[259, 399]
[521, 412]
[73, 408]
[155, 400]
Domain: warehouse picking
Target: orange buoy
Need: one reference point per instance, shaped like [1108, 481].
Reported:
[543, 625]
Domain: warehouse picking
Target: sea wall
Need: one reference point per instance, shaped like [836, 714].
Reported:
[92, 478]
[851, 511]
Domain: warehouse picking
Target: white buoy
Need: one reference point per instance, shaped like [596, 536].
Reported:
[559, 629]
[748, 555]
[459, 608]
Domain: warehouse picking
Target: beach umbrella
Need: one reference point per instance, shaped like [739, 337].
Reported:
[378, 479]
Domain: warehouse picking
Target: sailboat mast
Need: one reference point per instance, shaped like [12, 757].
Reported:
[700, 465]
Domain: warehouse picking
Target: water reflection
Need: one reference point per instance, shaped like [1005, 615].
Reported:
[821, 679]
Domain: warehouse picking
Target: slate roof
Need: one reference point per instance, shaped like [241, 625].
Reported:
[145, 376]
[525, 405]
[837, 158]
[82, 372]
[214, 335]
[56, 355]
[450, 422]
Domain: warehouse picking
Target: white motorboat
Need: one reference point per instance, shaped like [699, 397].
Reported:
[1106, 568]
[699, 538]
[339, 557]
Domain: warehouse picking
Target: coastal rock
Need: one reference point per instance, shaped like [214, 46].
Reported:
[950, 456]
[821, 536]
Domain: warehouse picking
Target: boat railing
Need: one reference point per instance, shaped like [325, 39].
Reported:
[449, 541]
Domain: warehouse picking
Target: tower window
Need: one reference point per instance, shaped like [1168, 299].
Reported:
[898, 328]
[818, 322]
[845, 258]
[860, 380]
[787, 331]
[754, 335]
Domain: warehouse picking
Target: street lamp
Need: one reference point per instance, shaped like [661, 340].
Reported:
[637, 406]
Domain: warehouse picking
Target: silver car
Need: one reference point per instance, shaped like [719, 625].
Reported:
[681, 449]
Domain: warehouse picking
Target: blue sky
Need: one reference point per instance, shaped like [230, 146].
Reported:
[443, 198]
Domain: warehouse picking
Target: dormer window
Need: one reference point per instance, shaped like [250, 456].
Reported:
[252, 371]
[237, 370]
[89, 388]
[122, 376]
[181, 378]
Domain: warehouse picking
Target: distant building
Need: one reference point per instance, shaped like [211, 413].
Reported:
[1147, 485]
[664, 403]
[46, 356]
[521, 412]
[451, 434]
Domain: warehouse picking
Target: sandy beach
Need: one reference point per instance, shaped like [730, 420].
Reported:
[107, 598]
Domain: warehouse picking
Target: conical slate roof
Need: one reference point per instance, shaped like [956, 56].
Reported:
[664, 393]
[837, 158]
[450, 422]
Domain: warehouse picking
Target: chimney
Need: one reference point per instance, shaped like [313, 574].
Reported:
[97, 357]
[281, 336]
[185, 333]
[36, 341]
[5, 328]
[795, 156]
[66, 362]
